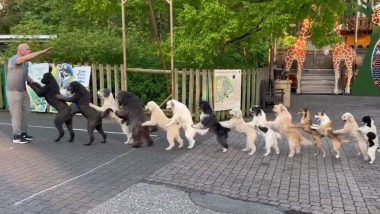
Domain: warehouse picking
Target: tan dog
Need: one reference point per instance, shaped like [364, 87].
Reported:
[237, 122]
[305, 124]
[158, 118]
[283, 123]
[325, 127]
[351, 128]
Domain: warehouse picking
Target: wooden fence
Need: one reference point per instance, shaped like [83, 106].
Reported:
[191, 85]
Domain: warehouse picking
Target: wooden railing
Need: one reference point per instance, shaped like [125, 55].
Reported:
[191, 85]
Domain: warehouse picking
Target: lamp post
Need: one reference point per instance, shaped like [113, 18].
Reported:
[124, 79]
[170, 2]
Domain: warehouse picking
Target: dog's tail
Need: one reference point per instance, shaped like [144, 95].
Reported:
[222, 131]
[105, 113]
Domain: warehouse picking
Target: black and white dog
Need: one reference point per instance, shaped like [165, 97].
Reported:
[369, 131]
[208, 120]
[259, 121]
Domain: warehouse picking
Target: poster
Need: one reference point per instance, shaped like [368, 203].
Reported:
[227, 89]
[36, 72]
[65, 74]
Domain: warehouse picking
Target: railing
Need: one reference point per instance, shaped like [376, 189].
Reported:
[191, 85]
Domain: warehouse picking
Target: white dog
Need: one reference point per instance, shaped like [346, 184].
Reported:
[182, 116]
[351, 128]
[158, 118]
[109, 102]
[259, 121]
[237, 122]
[369, 131]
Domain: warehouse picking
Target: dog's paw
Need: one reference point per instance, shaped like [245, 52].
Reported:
[169, 148]
[266, 154]
[291, 155]
[245, 149]
[224, 150]
[103, 141]
[251, 153]
[337, 156]
[180, 146]
[371, 162]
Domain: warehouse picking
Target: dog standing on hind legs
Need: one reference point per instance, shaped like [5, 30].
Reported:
[258, 122]
[305, 124]
[369, 131]
[49, 92]
[159, 118]
[237, 122]
[208, 121]
[109, 102]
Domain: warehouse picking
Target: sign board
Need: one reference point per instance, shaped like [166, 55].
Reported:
[227, 89]
[36, 72]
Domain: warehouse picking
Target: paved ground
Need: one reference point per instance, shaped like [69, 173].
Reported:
[48, 177]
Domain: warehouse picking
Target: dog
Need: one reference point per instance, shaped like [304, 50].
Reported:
[237, 122]
[305, 125]
[258, 122]
[325, 129]
[182, 116]
[49, 91]
[283, 122]
[132, 113]
[159, 118]
[109, 102]
[369, 131]
[351, 128]
[82, 98]
[208, 120]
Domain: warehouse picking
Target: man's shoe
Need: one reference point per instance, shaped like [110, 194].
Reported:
[19, 139]
[26, 136]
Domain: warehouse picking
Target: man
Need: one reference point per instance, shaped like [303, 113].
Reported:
[18, 98]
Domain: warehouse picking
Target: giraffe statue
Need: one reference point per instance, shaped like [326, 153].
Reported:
[298, 52]
[345, 53]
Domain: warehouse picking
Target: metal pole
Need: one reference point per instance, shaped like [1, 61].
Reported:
[170, 2]
[356, 29]
[124, 79]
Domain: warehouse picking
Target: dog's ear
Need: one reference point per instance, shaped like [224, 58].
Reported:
[350, 118]
[323, 113]
[172, 104]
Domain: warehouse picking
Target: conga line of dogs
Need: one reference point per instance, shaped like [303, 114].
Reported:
[128, 112]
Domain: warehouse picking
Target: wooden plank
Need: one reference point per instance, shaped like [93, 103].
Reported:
[184, 88]
[244, 91]
[109, 77]
[210, 88]
[197, 93]
[191, 91]
[94, 84]
[254, 87]
[249, 89]
[176, 84]
[204, 84]
[116, 79]
[101, 76]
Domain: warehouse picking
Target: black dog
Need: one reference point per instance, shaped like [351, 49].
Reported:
[49, 91]
[82, 98]
[132, 113]
[208, 120]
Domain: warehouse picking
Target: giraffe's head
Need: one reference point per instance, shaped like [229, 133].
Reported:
[376, 15]
[337, 28]
[304, 32]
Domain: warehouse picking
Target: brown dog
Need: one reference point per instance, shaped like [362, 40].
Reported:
[283, 123]
[305, 124]
[325, 128]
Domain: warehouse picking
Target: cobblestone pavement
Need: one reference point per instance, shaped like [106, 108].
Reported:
[48, 177]
[305, 182]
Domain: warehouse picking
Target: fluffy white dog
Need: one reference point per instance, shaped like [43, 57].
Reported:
[109, 102]
[259, 121]
[237, 122]
[182, 116]
[369, 131]
[351, 128]
[158, 118]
